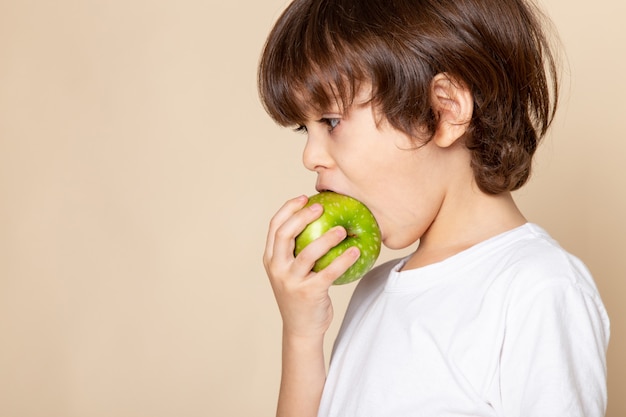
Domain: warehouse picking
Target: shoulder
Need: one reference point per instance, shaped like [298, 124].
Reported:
[536, 262]
[556, 331]
[544, 280]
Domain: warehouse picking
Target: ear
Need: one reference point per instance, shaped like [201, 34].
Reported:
[453, 104]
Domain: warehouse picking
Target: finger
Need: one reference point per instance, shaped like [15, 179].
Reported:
[286, 211]
[337, 267]
[319, 247]
[284, 243]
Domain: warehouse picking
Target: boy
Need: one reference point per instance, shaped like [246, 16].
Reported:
[429, 112]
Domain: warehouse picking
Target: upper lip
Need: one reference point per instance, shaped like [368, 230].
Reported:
[321, 187]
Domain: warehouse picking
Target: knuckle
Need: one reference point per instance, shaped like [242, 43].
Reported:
[266, 263]
[282, 233]
[274, 222]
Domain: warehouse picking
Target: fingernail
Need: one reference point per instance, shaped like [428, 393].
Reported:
[341, 232]
[316, 207]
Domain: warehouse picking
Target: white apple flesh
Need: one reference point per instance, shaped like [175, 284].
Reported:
[362, 232]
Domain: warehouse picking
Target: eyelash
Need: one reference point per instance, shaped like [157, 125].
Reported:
[330, 122]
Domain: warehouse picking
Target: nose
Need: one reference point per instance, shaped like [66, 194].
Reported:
[315, 155]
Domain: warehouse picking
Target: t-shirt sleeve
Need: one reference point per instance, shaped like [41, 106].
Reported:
[553, 359]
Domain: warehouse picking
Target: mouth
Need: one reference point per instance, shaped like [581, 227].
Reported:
[321, 189]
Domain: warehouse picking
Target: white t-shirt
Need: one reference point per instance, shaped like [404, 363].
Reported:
[513, 326]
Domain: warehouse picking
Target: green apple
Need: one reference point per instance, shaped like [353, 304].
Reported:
[363, 232]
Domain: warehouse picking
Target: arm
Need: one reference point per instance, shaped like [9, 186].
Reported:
[304, 304]
[303, 376]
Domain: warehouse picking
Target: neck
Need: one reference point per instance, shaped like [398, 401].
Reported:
[464, 223]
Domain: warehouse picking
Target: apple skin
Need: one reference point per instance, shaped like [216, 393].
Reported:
[362, 228]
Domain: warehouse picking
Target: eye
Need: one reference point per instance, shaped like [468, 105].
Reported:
[331, 122]
[300, 129]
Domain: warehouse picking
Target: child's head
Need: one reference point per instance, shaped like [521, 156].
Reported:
[321, 52]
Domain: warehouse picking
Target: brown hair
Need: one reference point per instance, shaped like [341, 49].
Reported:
[320, 51]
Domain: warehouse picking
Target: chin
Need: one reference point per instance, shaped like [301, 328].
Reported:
[398, 243]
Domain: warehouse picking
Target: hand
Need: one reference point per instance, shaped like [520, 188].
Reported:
[302, 295]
